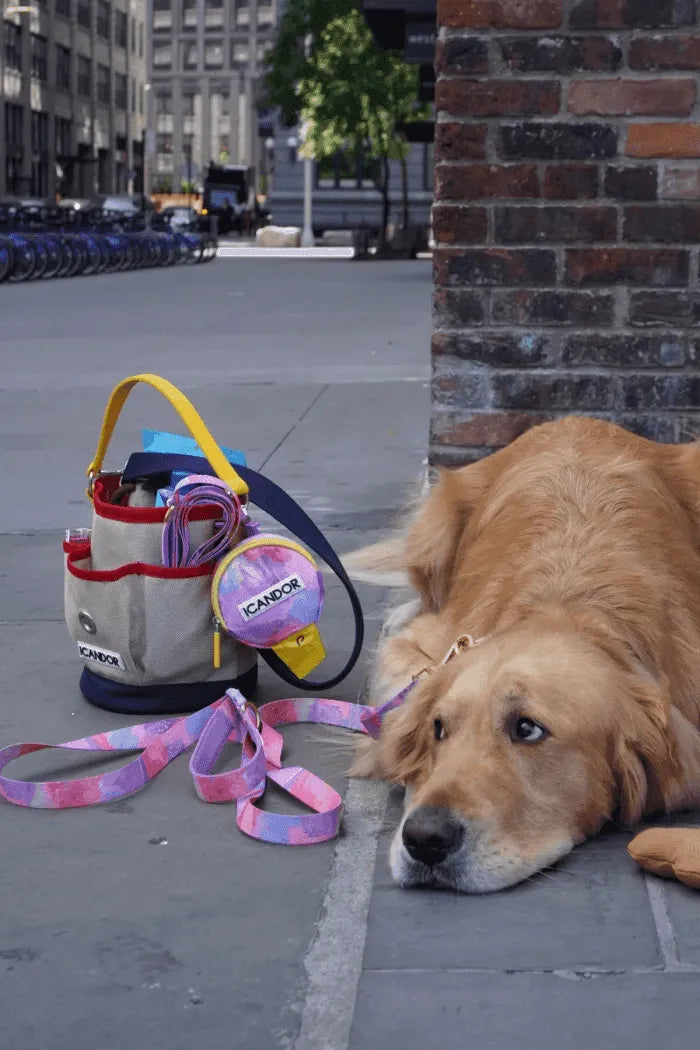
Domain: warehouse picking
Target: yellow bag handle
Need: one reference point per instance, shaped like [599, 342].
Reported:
[187, 413]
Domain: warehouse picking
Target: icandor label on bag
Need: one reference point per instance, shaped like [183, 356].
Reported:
[101, 657]
[279, 592]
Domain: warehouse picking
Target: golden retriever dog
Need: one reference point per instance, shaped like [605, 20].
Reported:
[572, 559]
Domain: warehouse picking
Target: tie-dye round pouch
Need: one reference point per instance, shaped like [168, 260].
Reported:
[268, 593]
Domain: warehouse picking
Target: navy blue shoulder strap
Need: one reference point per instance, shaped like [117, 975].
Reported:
[280, 505]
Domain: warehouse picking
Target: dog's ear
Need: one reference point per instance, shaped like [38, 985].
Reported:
[645, 762]
[404, 744]
[433, 542]
[426, 551]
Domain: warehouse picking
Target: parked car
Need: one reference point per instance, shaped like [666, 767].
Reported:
[180, 217]
[119, 203]
[76, 203]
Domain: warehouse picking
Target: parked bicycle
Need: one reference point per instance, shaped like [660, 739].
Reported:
[40, 241]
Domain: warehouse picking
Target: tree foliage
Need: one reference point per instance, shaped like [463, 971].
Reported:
[287, 64]
[355, 96]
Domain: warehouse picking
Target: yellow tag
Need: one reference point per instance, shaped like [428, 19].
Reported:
[301, 652]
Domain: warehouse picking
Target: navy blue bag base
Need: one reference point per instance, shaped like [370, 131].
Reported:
[160, 699]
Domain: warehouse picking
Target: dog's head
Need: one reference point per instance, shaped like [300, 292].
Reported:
[517, 750]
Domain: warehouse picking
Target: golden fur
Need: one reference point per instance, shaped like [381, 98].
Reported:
[575, 553]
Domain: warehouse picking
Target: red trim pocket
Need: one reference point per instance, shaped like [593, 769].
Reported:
[109, 483]
[134, 568]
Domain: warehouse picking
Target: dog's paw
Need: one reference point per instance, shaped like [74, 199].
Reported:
[673, 853]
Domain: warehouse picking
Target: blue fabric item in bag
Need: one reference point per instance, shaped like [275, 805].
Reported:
[177, 444]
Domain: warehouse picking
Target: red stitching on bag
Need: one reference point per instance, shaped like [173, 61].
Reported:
[134, 568]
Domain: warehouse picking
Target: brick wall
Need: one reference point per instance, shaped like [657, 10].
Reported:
[567, 218]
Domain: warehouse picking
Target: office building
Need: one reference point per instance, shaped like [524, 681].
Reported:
[73, 94]
[207, 81]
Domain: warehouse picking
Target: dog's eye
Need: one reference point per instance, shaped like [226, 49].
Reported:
[439, 729]
[525, 731]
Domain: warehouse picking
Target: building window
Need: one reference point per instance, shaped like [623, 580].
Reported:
[239, 54]
[120, 29]
[213, 55]
[164, 113]
[13, 126]
[162, 56]
[133, 35]
[241, 12]
[345, 171]
[62, 68]
[162, 14]
[39, 57]
[132, 91]
[120, 96]
[84, 13]
[84, 76]
[141, 99]
[13, 46]
[63, 7]
[140, 39]
[64, 135]
[40, 132]
[103, 84]
[188, 54]
[103, 19]
[214, 14]
[266, 13]
[189, 14]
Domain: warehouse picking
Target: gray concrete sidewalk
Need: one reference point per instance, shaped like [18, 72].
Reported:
[109, 939]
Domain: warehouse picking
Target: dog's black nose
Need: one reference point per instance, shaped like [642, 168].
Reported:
[431, 833]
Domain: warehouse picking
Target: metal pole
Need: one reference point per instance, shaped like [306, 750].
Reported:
[307, 236]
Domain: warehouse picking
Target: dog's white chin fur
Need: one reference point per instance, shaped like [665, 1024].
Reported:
[478, 868]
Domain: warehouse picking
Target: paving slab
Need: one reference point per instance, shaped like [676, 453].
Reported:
[527, 1011]
[592, 910]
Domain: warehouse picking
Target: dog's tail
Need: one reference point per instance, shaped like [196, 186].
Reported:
[382, 564]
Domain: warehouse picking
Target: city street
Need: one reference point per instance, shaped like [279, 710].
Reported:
[153, 922]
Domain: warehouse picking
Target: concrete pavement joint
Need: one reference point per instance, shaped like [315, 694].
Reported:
[317, 397]
[333, 963]
[578, 974]
[664, 926]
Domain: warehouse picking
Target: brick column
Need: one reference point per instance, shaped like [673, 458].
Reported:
[567, 218]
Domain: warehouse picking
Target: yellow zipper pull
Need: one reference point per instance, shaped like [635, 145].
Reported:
[217, 643]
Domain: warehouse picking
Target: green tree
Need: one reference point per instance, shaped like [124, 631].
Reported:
[356, 97]
[287, 64]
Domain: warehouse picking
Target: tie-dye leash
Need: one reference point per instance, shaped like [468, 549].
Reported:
[232, 719]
